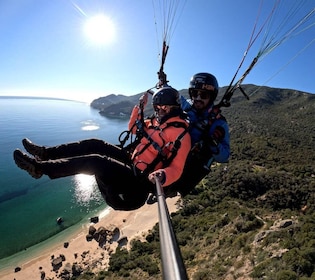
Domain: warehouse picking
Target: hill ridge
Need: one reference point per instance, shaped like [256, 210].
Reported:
[229, 227]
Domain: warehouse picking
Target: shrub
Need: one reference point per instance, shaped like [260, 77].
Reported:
[286, 275]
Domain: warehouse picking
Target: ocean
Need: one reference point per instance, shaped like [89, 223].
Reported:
[29, 207]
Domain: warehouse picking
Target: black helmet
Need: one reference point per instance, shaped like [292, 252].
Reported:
[166, 96]
[206, 82]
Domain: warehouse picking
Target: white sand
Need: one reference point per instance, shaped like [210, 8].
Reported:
[132, 224]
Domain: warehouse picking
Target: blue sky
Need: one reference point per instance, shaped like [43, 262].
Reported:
[44, 50]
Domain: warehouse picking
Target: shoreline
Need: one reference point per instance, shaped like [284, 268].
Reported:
[32, 252]
[131, 224]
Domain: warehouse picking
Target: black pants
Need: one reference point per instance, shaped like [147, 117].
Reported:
[87, 147]
[121, 188]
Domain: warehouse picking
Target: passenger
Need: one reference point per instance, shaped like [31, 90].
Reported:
[124, 179]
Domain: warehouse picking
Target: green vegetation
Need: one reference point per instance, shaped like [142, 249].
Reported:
[229, 225]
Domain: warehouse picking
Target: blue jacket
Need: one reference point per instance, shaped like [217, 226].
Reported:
[221, 152]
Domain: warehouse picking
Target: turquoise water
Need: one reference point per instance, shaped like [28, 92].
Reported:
[29, 207]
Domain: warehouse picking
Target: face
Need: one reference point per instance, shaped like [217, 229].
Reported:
[200, 98]
[161, 110]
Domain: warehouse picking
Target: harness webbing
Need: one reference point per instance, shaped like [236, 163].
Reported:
[162, 156]
[163, 152]
[214, 114]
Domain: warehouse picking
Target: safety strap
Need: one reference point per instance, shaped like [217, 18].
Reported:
[214, 114]
[162, 156]
[163, 152]
[139, 123]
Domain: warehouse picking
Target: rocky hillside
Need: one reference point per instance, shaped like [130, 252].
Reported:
[254, 217]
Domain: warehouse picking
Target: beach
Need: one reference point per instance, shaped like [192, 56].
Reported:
[89, 254]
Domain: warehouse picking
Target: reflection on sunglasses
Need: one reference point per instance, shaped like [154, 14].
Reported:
[203, 94]
[160, 107]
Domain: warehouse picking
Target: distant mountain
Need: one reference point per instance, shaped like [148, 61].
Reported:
[115, 105]
[121, 105]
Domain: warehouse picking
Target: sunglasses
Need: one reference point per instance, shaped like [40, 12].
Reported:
[160, 107]
[202, 93]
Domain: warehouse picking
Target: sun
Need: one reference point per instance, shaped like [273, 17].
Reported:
[99, 30]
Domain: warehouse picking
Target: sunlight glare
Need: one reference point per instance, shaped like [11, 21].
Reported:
[99, 30]
[85, 188]
[89, 125]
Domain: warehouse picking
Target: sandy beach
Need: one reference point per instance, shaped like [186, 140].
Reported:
[131, 224]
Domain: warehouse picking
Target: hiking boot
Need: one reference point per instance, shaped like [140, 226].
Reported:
[152, 199]
[27, 163]
[37, 151]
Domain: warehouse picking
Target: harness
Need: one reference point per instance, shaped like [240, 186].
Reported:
[205, 124]
[199, 149]
[166, 153]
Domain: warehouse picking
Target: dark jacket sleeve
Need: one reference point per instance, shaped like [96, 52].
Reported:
[221, 151]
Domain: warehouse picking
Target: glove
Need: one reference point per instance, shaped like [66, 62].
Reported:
[218, 135]
[160, 174]
[144, 99]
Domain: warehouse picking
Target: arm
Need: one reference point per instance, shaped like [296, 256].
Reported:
[220, 133]
[175, 169]
[133, 119]
[136, 112]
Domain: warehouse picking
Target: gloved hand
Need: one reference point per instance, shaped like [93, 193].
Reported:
[160, 174]
[217, 136]
[144, 99]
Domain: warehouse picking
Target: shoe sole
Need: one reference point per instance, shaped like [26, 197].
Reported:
[29, 147]
[21, 162]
